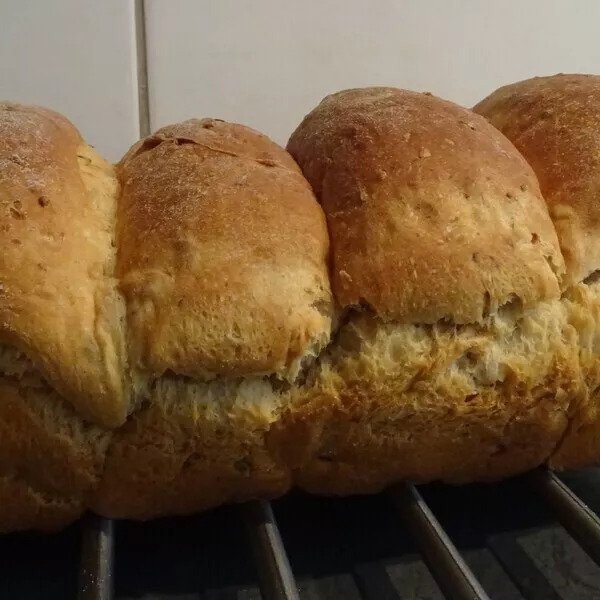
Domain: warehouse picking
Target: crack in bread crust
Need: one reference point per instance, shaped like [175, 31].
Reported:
[193, 446]
[433, 402]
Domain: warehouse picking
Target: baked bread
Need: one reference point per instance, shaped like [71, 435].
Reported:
[455, 359]
[61, 335]
[221, 257]
[555, 123]
[169, 340]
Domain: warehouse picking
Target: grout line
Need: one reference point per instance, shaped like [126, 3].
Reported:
[142, 67]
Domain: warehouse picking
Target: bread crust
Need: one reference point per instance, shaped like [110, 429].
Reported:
[58, 299]
[222, 254]
[554, 122]
[432, 213]
[24, 508]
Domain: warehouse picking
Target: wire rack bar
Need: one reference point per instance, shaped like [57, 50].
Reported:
[447, 566]
[275, 574]
[571, 511]
[96, 566]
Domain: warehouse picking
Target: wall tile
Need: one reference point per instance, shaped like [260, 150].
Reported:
[77, 57]
[267, 63]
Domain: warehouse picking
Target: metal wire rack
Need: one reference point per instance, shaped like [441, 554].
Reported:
[256, 550]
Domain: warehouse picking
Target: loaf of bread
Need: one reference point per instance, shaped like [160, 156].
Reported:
[555, 123]
[216, 319]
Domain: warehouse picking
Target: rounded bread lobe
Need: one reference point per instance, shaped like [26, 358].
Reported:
[59, 305]
[466, 366]
[432, 212]
[222, 254]
[555, 123]
[222, 258]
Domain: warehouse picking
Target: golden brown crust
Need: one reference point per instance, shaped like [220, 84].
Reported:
[555, 122]
[222, 254]
[432, 213]
[241, 244]
[58, 299]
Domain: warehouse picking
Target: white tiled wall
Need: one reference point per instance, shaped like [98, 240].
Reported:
[77, 57]
[267, 62]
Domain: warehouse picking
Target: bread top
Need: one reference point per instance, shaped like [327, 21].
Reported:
[59, 307]
[555, 123]
[222, 254]
[432, 212]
